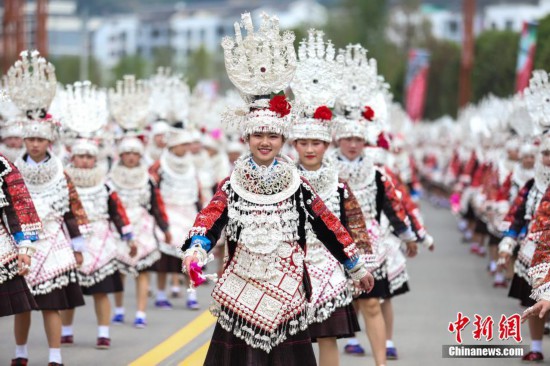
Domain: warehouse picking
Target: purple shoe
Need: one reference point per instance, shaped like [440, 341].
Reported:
[193, 305]
[140, 323]
[118, 319]
[391, 353]
[354, 349]
[163, 304]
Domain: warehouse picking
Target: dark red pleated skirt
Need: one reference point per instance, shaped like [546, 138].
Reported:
[68, 297]
[168, 264]
[228, 350]
[341, 324]
[108, 285]
[521, 290]
[15, 297]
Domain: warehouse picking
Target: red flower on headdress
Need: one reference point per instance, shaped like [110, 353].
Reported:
[323, 113]
[368, 113]
[279, 105]
[382, 141]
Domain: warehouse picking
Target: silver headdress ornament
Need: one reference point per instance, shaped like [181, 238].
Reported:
[359, 80]
[261, 63]
[83, 112]
[170, 95]
[314, 86]
[317, 73]
[520, 120]
[83, 108]
[129, 103]
[537, 98]
[358, 84]
[31, 85]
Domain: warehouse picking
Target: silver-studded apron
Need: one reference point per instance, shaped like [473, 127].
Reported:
[329, 285]
[261, 293]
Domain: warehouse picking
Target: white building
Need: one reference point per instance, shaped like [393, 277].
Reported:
[447, 23]
[512, 16]
[192, 30]
[115, 38]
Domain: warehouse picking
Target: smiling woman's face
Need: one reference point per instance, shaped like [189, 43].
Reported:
[265, 147]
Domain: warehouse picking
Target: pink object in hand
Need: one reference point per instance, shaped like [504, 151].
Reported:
[195, 273]
[455, 202]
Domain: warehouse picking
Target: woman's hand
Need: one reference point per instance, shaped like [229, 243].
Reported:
[540, 309]
[78, 258]
[188, 260]
[367, 282]
[24, 264]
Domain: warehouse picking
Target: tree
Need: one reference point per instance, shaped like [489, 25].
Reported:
[495, 64]
[202, 65]
[130, 65]
[67, 69]
[542, 53]
[442, 94]
[163, 56]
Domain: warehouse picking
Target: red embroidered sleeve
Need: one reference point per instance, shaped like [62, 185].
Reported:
[76, 219]
[478, 176]
[158, 210]
[327, 227]
[117, 213]
[515, 218]
[540, 264]
[409, 206]
[211, 220]
[393, 208]
[469, 168]
[504, 190]
[356, 222]
[20, 212]
[154, 171]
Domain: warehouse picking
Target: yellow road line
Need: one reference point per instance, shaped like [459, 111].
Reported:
[176, 341]
[196, 358]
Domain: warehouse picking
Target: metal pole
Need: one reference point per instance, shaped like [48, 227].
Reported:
[467, 63]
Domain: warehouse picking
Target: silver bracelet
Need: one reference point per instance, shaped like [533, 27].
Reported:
[358, 272]
[26, 250]
[198, 251]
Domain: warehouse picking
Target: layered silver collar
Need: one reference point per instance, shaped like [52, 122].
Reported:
[129, 178]
[359, 172]
[12, 153]
[39, 173]
[521, 175]
[85, 178]
[176, 164]
[265, 184]
[324, 180]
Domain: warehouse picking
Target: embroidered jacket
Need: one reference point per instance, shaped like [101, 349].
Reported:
[22, 225]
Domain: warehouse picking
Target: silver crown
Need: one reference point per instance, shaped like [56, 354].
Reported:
[537, 98]
[83, 108]
[263, 61]
[359, 80]
[170, 96]
[31, 84]
[317, 73]
[129, 103]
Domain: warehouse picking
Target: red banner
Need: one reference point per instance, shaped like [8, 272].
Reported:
[526, 55]
[416, 83]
